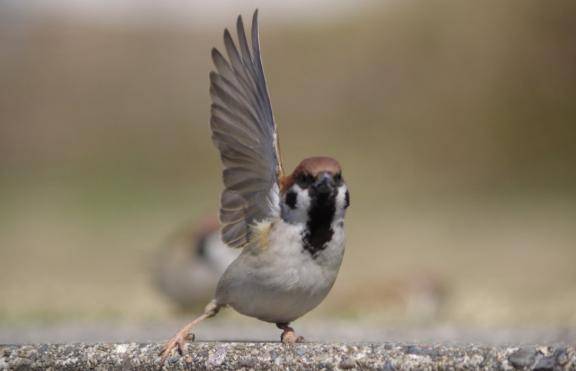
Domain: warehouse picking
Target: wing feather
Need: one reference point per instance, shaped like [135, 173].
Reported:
[244, 131]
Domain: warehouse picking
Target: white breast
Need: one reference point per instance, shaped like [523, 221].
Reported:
[282, 281]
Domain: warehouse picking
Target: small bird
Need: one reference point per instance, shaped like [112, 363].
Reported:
[192, 260]
[290, 228]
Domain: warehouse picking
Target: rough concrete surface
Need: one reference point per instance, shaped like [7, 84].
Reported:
[260, 356]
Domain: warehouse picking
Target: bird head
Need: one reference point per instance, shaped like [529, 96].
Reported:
[315, 185]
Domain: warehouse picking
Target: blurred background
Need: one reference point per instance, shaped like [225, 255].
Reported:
[454, 122]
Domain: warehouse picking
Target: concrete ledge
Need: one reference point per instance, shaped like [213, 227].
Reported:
[261, 356]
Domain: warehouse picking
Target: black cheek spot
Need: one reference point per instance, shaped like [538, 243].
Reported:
[291, 199]
[347, 199]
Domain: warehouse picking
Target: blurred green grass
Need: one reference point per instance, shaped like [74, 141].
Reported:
[454, 123]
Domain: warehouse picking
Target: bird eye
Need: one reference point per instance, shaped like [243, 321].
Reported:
[305, 180]
[338, 179]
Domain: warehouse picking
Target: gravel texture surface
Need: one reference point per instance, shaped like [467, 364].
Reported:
[261, 356]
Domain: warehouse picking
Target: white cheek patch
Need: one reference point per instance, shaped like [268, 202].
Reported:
[341, 202]
[303, 200]
[298, 214]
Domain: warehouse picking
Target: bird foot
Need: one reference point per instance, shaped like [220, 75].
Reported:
[177, 343]
[290, 337]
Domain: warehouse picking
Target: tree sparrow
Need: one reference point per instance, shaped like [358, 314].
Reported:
[291, 228]
[193, 259]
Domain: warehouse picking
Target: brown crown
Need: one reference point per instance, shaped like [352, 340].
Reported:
[311, 166]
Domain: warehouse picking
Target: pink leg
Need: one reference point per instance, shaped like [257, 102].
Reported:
[179, 340]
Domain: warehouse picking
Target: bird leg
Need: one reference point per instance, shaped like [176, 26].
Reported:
[288, 335]
[179, 340]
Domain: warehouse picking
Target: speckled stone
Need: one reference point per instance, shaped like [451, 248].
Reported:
[522, 358]
[276, 356]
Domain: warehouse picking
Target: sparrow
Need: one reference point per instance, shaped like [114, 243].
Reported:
[192, 260]
[290, 227]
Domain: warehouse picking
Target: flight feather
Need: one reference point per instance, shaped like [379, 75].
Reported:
[244, 131]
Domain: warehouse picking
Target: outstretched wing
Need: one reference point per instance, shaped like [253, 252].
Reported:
[244, 131]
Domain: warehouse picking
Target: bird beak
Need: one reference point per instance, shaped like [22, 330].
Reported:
[324, 183]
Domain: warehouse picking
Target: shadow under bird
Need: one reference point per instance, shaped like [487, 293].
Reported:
[290, 227]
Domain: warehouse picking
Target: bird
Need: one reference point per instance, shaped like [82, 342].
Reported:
[290, 227]
[190, 261]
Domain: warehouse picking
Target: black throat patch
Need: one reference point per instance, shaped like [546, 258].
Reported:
[319, 227]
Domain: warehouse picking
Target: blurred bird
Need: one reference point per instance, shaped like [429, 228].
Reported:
[190, 263]
[291, 228]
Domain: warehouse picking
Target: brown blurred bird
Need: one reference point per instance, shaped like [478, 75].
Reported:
[291, 228]
[190, 263]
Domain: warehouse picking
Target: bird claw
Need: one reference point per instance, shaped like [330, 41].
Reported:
[178, 342]
[289, 337]
[190, 337]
